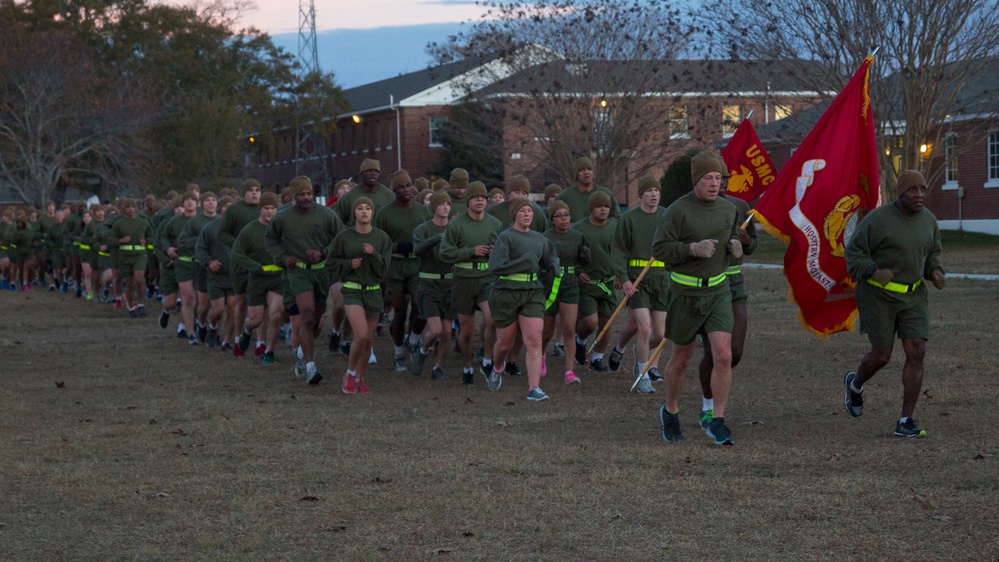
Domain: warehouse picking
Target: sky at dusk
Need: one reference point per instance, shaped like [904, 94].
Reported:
[363, 41]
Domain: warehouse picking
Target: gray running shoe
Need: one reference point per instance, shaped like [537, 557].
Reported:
[614, 361]
[495, 381]
[300, 367]
[418, 360]
[909, 429]
[537, 395]
[719, 432]
[192, 340]
[854, 401]
[645, 385]
[438, 374]
[558, 350]
[399, 362]
[670, 425]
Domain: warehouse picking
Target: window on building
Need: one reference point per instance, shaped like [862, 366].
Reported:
[950, 159]
[731, 115]
[603, 125]
[782, 111]
[993, 159]
[436, 125]
[678, 127]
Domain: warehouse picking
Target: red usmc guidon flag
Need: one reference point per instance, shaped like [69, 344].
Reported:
[750, 169]
[828, 185]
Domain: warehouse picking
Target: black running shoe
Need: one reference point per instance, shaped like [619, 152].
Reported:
[614, 361]
[467, 377]
[909, 429]
[718, 431]
[164, 319]
[654, 375]
[512, 369]
[334, 342]
[854, 401]
[244, 341]
[670, 426]
[580, 354]
[598, 365]
[202, 333]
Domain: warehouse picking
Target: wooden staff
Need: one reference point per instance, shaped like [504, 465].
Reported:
[652, 361]
[620, 305]
[749, 219]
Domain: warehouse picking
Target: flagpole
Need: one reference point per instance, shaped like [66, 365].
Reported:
[750, 114]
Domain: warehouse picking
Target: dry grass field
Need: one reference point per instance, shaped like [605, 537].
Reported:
[123, 443]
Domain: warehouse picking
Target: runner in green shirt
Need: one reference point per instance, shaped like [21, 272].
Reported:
[360, 255]
[435, 287]
[186, 243]
[399, 220]
[573, 251]
[131, 233]
[696, 239]
[264, 290]
[578, 196]
[209, 250]
[299, 238]
[597, 300]
[380, 195]
[240, 214]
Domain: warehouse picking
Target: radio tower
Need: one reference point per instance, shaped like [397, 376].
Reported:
[310, 149]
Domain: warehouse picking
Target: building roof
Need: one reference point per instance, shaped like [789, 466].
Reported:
[376, 95]
[676, 77]
[979, 97]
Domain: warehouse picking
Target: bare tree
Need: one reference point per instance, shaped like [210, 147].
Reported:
[570, 78]
[58, 110]
[929, 53]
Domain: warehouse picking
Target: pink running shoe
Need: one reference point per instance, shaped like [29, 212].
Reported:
[571, 378]
[260, 350]
[362, 387]
[349, 385]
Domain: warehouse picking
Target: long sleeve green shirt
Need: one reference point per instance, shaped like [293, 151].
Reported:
[461, 237]
[887, 238]
[292, 233]
[349, 244]
[688, 220]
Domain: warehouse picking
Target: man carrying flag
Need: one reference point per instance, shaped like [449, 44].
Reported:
[750, 169]
[823, 191]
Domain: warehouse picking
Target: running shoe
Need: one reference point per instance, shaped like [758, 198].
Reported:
[362, 387]
[202, 333]
[558, 350]
[349, 385]
[719, 432]
[300, 367]
[908, 429]
[192, 340]
[598, 365]
[334, 342]
[854, 401]
[645, 385]
[269, 358]
[438, 374]
[212, 339]
[260, 349]
[614, 361]
[571, 378]
[493, 379]
[706, 417]
[244, 341]
[537, 395]
[670, 425]
[399, 362]
[467, 377]
[512, 369]
[345, 348]
[313, 378]
[237, 352]
[418, 360]
[654, 375]
[580, 353]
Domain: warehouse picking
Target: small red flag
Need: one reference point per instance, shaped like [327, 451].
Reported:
[818, 198]
[749, 165]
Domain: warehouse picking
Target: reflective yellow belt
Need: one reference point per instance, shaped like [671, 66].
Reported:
[568, 269]
[84, 247]
[4, 248]
[132, 248]
[522, 277]
[185, 259]
[303, 265]
[896, 287]
[691, 281]
[479, 265]
[76, 243]
[733, 270]
[273, 268]
[402, 257]
[603, 285]
[641, 263]
[359, 287]
[105, 254]
[435, 276]
[149, 247]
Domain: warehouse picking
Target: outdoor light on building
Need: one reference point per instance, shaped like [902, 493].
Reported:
[603, 103]
[356, 118]
[922, 148]
[253, 140]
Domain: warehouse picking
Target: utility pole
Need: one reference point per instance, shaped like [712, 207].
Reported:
[310, 149]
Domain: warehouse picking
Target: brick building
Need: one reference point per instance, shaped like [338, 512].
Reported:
[398, 120]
